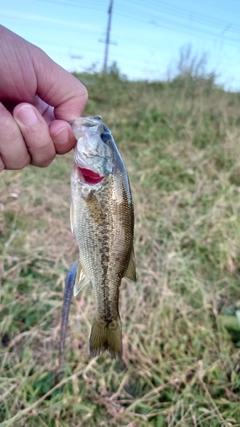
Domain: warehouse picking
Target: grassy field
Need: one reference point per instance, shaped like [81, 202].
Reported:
[181, 145]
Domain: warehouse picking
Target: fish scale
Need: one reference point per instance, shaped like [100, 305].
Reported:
[97, 236]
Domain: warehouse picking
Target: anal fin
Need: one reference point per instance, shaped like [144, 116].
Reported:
[131, 270]
[80, 281]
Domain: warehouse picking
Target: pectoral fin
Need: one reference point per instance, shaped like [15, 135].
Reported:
[80, 281]
[131, 270]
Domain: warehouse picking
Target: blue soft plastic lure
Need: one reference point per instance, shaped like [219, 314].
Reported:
[69, 284]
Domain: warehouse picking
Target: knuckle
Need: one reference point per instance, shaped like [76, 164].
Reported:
[22, 164]
[43, 163]
[9, 131]
[42, 155]
[84, 93]
[15, 163]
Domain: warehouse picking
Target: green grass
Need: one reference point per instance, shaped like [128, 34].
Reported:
[180, 142]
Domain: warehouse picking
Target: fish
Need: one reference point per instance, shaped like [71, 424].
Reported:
[102, 220]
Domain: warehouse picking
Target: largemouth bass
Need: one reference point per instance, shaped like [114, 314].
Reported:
[102, 219]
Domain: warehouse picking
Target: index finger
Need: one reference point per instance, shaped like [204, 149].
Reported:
[59, 88]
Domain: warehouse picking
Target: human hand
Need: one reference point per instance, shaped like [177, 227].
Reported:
[37, 98]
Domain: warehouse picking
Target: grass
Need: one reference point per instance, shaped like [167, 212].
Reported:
[180, 142]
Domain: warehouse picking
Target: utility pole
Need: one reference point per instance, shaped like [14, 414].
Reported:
[107, 42]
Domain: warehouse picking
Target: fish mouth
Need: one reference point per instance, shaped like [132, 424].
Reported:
[90, 177]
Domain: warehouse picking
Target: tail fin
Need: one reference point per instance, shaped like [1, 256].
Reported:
[106, 336]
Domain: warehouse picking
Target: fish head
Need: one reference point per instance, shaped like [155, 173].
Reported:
[93, 159]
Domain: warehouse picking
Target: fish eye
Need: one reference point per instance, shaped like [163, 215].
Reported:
[106, 137]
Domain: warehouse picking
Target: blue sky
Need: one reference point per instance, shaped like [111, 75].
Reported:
[147, 36]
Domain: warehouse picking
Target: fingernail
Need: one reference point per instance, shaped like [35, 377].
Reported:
[26, 116]
[61, 137]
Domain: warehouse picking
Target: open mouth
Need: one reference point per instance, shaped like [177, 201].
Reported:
[90, 177]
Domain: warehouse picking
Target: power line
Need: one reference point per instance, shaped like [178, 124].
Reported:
[165, 23]
[175, 11]
[180, 11]
[177, 27]
[148, 14]
[151, 15]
